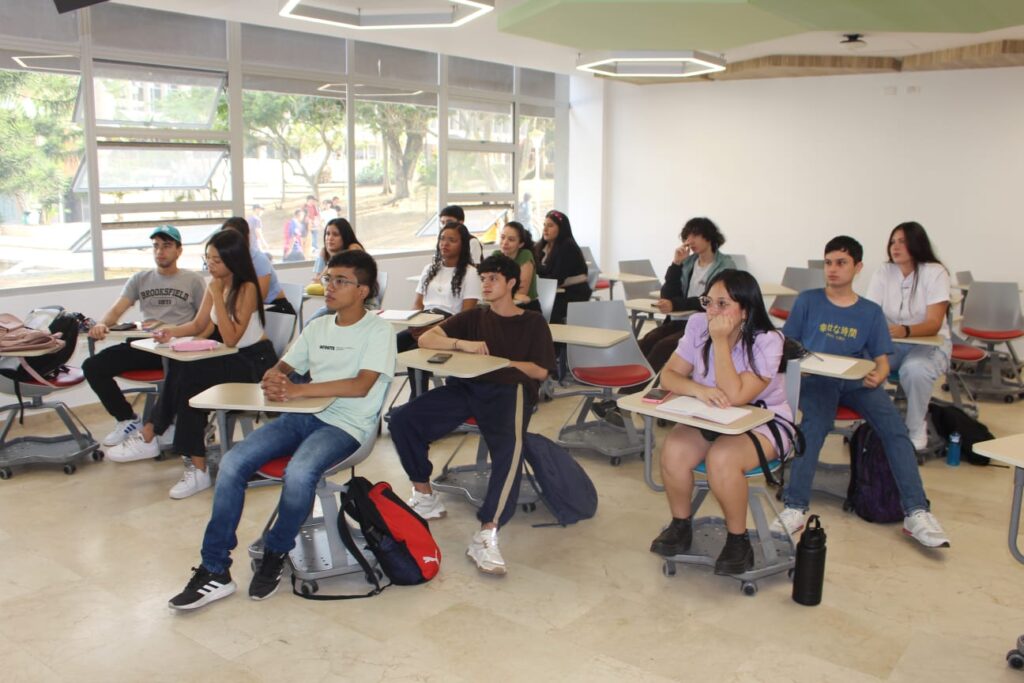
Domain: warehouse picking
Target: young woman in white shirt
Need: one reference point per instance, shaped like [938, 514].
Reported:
[913, 290]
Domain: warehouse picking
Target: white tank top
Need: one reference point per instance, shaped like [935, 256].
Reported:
[253, 331]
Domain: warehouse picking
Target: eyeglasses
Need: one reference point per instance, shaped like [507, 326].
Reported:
[327, 281]
[708, 304]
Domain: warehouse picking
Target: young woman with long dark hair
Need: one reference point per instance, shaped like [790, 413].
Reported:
[231, 312]
[912, 288]
[270, 288]
[338, 237]
[728, 356]
[516, 243]
[560, 258]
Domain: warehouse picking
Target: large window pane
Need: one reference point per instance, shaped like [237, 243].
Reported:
[296, 165]
[129, 250]
[396, 169]
[40, 148]
[479, 121]
[476, 172]
[536, 170]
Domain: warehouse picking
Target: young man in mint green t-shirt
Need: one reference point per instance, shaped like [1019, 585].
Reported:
[351, 357]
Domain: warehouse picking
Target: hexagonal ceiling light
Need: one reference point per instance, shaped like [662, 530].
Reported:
[649, 64]
[336, 13]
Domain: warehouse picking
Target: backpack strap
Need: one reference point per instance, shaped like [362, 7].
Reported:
[777, 426]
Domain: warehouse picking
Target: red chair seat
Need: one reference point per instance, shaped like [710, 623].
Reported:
[470, 421]
[69, 378]
[993, 335]
[602, 284]
[780, 313]
[613, 375]
[967, 353]
[844, 413]
[275, 468]
[143, 375]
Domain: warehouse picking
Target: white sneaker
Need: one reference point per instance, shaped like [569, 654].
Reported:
[925, 529]
[790, 521]
[919, 438]
[483, 550]
[427, 505]
[133, 448]
[192, 482]
[166, 440]
[122, 430]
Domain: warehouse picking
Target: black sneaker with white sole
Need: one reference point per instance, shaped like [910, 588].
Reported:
[268, 576]
[204, 587]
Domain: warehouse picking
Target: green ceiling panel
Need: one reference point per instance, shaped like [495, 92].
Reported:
[712, 25]
[720, 25]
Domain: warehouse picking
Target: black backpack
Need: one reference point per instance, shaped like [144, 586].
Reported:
[949, 419]
[872, 493]
[559, 480]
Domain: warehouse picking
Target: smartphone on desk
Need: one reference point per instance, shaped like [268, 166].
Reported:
[657, 396]
[123, 327]
[439, 358]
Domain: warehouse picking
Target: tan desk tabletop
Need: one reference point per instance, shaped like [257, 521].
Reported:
[631, 278]
[648, 306]
[26, 354]
[238, 396]
[581, 335]
[464, 365]
[775, 289]
[413, 278]
[151, 346]
[931, 340]
[859, 370]
[418, 320]
[1007, 449]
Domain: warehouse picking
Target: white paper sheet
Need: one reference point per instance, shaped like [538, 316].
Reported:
[694, 407]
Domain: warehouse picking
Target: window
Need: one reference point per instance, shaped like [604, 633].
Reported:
[296, 164]
[41, 218]
[536, 166]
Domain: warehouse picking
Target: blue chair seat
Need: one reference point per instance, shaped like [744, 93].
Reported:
[754, 472]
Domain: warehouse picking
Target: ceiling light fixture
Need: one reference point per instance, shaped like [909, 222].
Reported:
[462, 12]
[641, 64]
[43, 66]
[340, 88]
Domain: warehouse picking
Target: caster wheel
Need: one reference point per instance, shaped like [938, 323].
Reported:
[945, 387]
[790, 573]
[309, 587]
[370, 577]
[749, 588]
[847, 506]
[548, 398]
[529, 507]
[668, 568]
[1009, 399]
[662, 422]
[97, 456]
[616, 461]
[69, 469]
[5, 473]
[1015, 659]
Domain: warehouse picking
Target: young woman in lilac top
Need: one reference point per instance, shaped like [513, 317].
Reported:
[729, 356]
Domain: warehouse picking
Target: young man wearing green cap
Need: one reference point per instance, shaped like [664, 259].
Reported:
[166, 294]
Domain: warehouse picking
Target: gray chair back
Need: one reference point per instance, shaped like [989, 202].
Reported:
[964, 277]
[610, 315]
[993, 306]
[800, 279]
[279, 329]
[382, 287]
[546, 290]
[293, 292]
[816, 263]
[740, 260]
[638, 290]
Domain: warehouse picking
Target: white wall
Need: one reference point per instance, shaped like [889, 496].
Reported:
[588, 174]
[783, 164]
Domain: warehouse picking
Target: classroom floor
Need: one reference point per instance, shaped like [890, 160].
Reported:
[89, 561]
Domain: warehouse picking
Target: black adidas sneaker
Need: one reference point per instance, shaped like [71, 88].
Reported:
[204, 587]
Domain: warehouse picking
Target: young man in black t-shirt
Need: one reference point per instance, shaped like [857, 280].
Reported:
[501, 402]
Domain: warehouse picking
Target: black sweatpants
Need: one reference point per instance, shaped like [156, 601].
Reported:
[502, 413]
[101, 369]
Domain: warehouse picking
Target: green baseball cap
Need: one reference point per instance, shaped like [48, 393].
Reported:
[168, 231]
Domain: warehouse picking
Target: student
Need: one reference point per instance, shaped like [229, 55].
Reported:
[501, 403]
[270, 287]
[835, 320]
[338, 237]
[168, 295]
[913, 290]
[312, 207]
[294, 233]
[230, 310]
[455, 214]
[694, 264]
[351, 356]
[256, 239]
[517, 244]
[559, 258]
[729, 356]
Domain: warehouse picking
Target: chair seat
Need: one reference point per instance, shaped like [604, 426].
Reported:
[143, 375]
[967, 353]
[754, 472]
[613, 375]
[844, 413]
[780, 313]
[276, 467]
[602, 284]
[993, 335]
[69, 378]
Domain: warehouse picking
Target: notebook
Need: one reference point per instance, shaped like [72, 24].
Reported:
[397, 315]
[694, 407]
[833, 366]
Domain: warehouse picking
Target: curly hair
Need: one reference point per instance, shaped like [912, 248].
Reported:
[460, 267]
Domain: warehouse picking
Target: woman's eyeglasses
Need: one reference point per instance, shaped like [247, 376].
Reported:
[709, 304]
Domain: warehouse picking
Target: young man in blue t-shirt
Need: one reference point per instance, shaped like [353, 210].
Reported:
[351, 357]
[835, 320]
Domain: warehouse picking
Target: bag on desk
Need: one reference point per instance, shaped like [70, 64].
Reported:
[559, 480]
[50, 329]
[872, 493]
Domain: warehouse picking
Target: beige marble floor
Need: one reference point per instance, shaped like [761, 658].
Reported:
[88, 563]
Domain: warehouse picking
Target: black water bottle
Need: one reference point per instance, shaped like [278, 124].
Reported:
[809, 574]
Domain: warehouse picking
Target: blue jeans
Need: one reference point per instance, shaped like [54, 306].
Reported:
[314, 446]
[918, 367]
[819, 398]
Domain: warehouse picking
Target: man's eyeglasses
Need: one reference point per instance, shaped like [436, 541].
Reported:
[709, 304]
[327, 281]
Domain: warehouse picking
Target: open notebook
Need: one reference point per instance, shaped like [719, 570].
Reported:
[694, 407]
